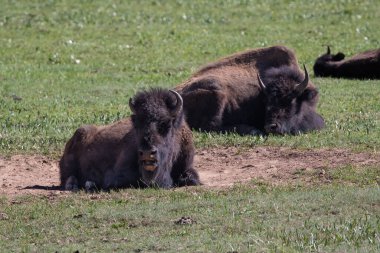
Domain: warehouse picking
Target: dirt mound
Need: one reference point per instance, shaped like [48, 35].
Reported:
[218, 167]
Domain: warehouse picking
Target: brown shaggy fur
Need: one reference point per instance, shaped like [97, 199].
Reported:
[226, 95]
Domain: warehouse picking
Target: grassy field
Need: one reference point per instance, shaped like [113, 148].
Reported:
[238, 220]
[68, 63]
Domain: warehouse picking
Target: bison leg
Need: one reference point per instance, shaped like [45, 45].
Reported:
[243, 130]
[69, 172]
[125, 172]
[189, 178]
[113, 180]
[183, 172]
[163, 181]
[90, 186]
[69, 167]
[71, 184]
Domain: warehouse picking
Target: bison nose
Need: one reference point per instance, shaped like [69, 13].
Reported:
[148, 154]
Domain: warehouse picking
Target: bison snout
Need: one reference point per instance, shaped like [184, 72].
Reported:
[147, 154]
[148, 159]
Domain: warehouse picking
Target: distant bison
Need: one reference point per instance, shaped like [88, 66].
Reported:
[258, 91]
[365, 65]
[152, 148]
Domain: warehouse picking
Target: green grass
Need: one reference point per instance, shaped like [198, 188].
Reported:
[328, 219]
[78, 62]
[124, 47]
[359, 175]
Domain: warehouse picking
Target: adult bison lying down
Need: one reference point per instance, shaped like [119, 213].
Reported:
[259, 91]
[365, 65]
[152, 148]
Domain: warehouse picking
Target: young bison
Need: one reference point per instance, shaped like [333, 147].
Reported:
[152, 148]
[259, 91]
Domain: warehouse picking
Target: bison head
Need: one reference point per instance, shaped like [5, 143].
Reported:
[157, 117]
[322, 64]
[289, 104]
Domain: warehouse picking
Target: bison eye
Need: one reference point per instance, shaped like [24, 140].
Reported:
[163, 127]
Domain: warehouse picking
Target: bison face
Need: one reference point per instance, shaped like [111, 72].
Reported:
[156, 119]
[287, 104]
[278, 118]
[331, 57]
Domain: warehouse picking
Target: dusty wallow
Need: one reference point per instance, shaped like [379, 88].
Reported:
[152, 148]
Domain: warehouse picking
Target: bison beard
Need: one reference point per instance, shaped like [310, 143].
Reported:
[229, 95]
[152, 148]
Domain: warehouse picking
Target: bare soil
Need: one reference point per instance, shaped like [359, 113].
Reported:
[218, 167]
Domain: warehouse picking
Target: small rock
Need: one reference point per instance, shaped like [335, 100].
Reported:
[16, 98]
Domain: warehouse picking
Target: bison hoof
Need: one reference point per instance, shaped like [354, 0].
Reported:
[71, 184]
[71, 187]
[90, 186]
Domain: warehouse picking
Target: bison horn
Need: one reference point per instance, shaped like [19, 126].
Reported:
[302, 86]
[132, 105]
[261, 83]
[328, 50]
[179, 104]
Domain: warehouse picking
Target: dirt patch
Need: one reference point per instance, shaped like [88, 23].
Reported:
[218, 167]
[275, 165]
[22, 174]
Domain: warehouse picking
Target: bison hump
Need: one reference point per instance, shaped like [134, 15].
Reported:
[201, 84]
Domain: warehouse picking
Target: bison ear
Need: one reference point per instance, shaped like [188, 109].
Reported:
[338, 57]
[309, 95]
[299, 88]
[179, 104]
[132, 105]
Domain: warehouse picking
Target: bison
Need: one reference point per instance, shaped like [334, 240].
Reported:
[154, 147]
[260, 91]
[364, 65]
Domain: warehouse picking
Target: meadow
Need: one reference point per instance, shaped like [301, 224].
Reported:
[68, 63]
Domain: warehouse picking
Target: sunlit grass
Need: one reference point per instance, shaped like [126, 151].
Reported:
[242, 219]
[78, 64]
[68, 63]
